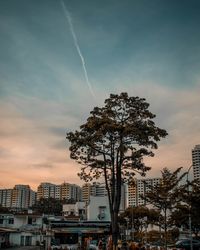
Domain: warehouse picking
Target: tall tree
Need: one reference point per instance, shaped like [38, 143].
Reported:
[166, 195]
[112, 143]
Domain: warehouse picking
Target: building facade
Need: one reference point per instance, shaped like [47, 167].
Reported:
[98, 209]
[140, 187]
[65, 191]
[20, 197]
[6, 197]
[196, 162]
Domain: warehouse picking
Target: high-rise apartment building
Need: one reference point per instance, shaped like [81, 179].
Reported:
[5, 197]
[140, 187]
[97, 189]
[70, 191]
[46, 190]
[86, 192]
[22, 196]
[94, 189]
[64, 191]
[196, 162]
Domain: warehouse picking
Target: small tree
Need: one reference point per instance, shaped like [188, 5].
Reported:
[139, 218]
[112, 143]
[166, 195]
[189, 206]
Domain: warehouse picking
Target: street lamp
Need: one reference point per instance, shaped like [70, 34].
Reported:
[189, 210]
[132, 230]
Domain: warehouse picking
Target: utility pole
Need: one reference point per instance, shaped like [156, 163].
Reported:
[189, 209]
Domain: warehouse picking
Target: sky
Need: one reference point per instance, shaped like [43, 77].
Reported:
[60, 58]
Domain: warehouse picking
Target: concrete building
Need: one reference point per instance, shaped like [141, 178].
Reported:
[70, 191]
[98, 209]
[22, 197]
[64, 191]
[86, 191]
[98, 189]
[46, 190]
[20, 229]
[76, 210]
[196, 162]
[94, 189]
[140, 187]
[32, 199]
[6, 197]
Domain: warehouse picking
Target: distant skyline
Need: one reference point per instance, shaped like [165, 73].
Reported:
[60, 58]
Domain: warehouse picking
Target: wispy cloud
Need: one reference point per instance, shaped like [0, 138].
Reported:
[67, 14]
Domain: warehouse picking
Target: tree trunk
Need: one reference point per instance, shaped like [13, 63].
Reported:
[165, 228]
[115, 229]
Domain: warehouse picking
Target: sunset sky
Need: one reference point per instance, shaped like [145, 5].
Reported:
[59, 59]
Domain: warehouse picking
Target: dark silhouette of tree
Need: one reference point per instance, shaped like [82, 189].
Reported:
[190, 203]
[166, 195]
[112, 143]
[139, 218]
[4, 209]
[48, 206]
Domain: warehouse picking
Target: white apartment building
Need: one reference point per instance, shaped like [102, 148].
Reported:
[140, 187]
[98, 189]
[196, 162]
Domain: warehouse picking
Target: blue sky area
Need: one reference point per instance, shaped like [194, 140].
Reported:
[149, 49]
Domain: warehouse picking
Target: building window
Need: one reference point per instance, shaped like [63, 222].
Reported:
[11, 221]
[30, 221]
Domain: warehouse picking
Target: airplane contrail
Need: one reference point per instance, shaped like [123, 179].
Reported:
[67, 15]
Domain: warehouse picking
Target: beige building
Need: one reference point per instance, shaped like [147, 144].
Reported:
[64, 191]
[140, 187]
[86, 191]
[22, 197]
[94, 189]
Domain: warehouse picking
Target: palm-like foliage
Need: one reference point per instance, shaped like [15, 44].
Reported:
[189, 206]
[166, 195]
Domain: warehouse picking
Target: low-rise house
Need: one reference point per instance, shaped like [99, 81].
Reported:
[76, 211]
[21, 229]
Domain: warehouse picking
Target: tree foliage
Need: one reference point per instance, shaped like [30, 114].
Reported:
[113, 142]
[190, 205]
[140, 217]
[4, 209]
[48, 206]
[166, 195]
